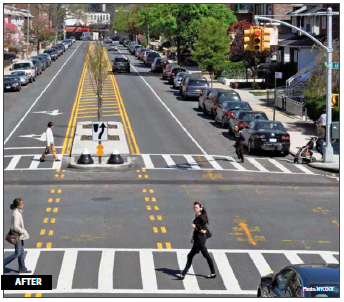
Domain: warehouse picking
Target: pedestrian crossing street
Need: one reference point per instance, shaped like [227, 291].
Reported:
[31, 162]
[222, 163]
[151, 271]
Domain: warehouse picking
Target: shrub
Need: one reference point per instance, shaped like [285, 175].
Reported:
[232, 70]
[255, 85]
[13, 49]
[315, 106]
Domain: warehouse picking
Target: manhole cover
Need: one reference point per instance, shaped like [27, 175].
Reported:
[102, 199]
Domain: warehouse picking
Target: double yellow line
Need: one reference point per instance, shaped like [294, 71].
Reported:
[134, 149]
[67, 143]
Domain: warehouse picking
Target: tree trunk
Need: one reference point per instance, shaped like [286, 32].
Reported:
[211, 78]
[179, 56]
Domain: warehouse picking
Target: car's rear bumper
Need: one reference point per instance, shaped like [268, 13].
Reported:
[193, 94]
[268, 146]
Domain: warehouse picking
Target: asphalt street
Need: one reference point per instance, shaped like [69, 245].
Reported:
[129, 232]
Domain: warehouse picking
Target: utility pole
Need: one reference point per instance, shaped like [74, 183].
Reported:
[328, 150]
[28, 30]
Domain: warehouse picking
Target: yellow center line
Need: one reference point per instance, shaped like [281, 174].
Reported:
[244, 227]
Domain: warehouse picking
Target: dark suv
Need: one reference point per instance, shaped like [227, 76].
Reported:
[193, 87]
[150, 58]
[121, 64]
[217, 97]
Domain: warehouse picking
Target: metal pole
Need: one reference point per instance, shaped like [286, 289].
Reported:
[328, 150]
[275, 100]
[28, 30]
[100, 158]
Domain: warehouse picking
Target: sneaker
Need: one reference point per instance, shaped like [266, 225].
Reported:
[57, 159]
[41, 160]
[25, 272]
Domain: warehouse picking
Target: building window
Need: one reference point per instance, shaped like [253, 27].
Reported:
[323, 22]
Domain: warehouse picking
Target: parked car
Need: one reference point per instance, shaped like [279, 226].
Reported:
[59, 49]
[38, 65]
[46, 57]
[24, 79]
[44, 63]
[133, 48]
[143, 54]
[167, 69]
[158, 64]
[8, 56]
[12, 82]
[178, 79]
[267, 136]
[27, 66]
[63, 46]
[244, 118]
[173, 73]
[138, 50]
[293, 279]
[216, 97]
[227, 109]
[121, 64]
[126, 42]
[193, 87]
[73, 39]
[150, 58]
[121, 40]
[52, 53]
[203, 97]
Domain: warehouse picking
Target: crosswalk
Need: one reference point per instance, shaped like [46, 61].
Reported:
[30, 162]
[151, 271]
[221, 163]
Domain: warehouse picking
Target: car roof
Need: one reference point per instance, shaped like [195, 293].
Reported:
[318, 274]
[22, 61]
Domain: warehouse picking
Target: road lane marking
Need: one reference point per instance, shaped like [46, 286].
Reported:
[304, 169]
[190, 282]
[13, 163]
[105, 275]
[149, 281]
[66, 275]
[257, 164]
[38, 98]
[279, 166]
[193, 164]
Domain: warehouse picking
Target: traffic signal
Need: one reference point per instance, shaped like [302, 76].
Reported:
[335, 100]
[265, 45]
[257, 38]
[248, 39]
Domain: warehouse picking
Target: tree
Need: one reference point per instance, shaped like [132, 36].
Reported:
[212, 45]
[237, 52]
[121, 19]
[10, 34]
[98, 69]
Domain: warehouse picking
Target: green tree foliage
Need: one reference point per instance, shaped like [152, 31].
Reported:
[121, 19]
[212, 45]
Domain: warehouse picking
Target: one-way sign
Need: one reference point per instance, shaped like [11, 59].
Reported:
[100, 131]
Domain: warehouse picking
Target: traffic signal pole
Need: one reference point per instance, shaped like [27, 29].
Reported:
[328, 150]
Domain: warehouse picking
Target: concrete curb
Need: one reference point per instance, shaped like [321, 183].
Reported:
[329, 167]
[101, 167]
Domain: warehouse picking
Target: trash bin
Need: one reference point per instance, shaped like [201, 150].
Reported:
[335, 130]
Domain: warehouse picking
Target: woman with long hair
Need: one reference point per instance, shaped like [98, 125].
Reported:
[199, 237]
[17, 226]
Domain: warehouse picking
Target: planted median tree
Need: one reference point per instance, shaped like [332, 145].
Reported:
[98, 70]
[212, 45]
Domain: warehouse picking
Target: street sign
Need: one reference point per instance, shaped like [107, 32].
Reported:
[278, 75]
[100, 131]
[335, 65]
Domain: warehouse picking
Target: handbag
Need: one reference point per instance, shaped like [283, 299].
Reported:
[12, 237]
[46, 150]
[208, 234]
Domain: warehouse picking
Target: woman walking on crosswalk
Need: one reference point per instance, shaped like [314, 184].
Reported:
[200, 234]
[50, 144]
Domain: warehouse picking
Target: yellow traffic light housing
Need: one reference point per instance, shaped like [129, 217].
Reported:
[335, 100]
[257, 38]
[265, 45]
[248, 39]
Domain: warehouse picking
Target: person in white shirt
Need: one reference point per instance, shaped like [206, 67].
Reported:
[17, 226]
[50, 144]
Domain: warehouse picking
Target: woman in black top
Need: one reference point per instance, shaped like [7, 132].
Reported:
[200, 235]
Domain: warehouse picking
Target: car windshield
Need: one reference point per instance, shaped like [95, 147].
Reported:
[121, 60]
[10, 77]
[153, 54]
[237, 106]
[22, 66]
[19, 73]
[228, 97]
[249, 116]
[324, 293]
[195, 82]
[261, 126]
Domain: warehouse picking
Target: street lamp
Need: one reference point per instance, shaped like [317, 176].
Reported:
[28, 30]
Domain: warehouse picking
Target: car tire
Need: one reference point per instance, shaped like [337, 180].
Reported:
[249, 147]
[223, 123]
[34, 79]
[212, 113]
[205, 110]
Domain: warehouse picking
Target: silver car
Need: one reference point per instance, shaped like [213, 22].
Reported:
[24, 79]
[178, 79]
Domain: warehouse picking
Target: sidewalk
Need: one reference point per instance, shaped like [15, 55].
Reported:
[300, 131]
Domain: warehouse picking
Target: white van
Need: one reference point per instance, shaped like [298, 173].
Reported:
[27, 66]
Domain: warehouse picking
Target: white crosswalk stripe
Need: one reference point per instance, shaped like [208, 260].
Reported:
[31, 162]
[220, 163]
[66, 274]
